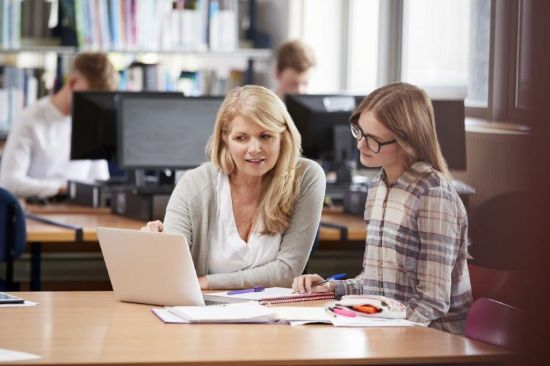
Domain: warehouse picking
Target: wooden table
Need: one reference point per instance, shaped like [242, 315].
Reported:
[40, 232]
[354, 225]
[92, 328]
[87, 218]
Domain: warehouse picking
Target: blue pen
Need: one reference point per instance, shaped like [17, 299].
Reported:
[246, 290]
[337, 276]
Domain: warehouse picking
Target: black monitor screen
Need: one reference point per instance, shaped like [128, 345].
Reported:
[323, 122]
[93, 126]
[449, 125]
[161, 132]
[94, 123]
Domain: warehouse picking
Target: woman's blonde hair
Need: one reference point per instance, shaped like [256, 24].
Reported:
[407, 111]
[281, 185]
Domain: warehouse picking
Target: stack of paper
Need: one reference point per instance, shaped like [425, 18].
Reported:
[359, 321]
[247, 312]
[300, 315]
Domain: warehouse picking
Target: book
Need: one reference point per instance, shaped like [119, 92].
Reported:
[246, 312]
[252, 312]
[276, 295]
[297, 298]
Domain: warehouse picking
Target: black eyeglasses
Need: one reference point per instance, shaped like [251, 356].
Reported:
[372, 143]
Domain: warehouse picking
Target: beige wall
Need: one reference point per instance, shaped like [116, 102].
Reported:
[496, 163]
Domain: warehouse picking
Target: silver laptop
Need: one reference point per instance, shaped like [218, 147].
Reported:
[150, 268]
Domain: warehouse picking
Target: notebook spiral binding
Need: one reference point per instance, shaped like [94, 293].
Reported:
[297, 298]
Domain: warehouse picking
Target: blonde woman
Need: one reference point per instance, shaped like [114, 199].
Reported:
[416, 245]
[250, 215]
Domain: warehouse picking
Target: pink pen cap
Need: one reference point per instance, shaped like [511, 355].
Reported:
[343, 312]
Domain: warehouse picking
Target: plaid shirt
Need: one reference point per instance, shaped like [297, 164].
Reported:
[416, 248]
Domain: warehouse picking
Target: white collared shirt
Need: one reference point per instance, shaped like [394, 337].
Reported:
[35, 161]
[228, 252]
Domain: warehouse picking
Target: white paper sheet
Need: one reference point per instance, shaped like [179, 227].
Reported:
[296, 314]
[7, 355]
[361, 321]
[26, 303]
[246, 312]
[168, 317]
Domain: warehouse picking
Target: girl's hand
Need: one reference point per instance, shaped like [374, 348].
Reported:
[306, 284]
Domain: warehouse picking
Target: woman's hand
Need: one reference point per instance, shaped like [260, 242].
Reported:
[306, 284]
[154, 226]
[203, 282]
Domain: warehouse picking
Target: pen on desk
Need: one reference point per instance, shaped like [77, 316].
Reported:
[246, 290]
[331, 278]
[342, 311]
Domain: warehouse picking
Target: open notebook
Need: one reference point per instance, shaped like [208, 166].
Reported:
[274, 295]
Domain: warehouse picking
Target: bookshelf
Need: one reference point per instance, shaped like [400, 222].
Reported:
[253, 53]
[192, 45]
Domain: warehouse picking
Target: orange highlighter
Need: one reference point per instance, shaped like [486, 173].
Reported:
[366, 309]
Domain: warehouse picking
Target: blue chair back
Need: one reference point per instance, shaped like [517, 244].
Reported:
[13, 233]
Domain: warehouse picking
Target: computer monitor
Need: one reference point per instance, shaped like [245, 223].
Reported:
[449, 124]
[94, 131]
[93, 126]
[160, 132]
[322, 121]
[324, 139]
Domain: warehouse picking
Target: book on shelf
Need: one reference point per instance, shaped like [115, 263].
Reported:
[19, 88]
[10, 23]
[222, 26]
[140, 76]
[192, 25]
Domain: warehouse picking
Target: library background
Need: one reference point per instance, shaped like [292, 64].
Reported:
[173, 55]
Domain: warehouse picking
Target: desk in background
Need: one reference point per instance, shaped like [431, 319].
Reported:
[354, 225]
[92, 328]
[41, 236]
[89, 218]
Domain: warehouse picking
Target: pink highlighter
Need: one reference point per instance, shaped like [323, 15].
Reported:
[343, 312]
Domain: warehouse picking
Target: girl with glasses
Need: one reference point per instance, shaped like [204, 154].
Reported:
[416, 246]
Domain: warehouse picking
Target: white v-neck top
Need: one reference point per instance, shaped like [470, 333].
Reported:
[229, 253]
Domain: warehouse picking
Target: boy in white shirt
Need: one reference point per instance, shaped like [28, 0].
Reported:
[35, 160]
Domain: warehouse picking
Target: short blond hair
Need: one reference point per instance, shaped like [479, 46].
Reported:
[280, 186]
[407, 111]
[295, 55]
[97, 69]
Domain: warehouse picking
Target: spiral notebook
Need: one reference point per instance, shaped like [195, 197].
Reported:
[297, 298]
[275, 295]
